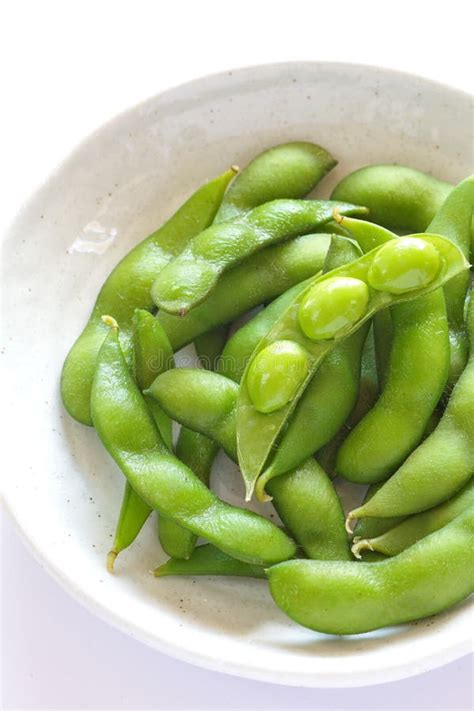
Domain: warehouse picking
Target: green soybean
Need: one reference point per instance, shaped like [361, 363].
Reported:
[414, 528]
[194, 274]
[128, 288]
[352, 597]
[276, 375]
[258, 432]
[128, 432]
[332, 307]
[403, 265]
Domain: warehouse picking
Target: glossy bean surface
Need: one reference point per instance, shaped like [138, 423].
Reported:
[353, 597]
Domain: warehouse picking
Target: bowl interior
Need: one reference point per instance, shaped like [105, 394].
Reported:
[120, 184]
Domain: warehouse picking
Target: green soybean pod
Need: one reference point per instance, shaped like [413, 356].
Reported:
[366, 398]
[352, 597]
[453, 220]
[186, 281]
[442, 464]
[289, 170]
[417, 375]
[408, 532]
[304, 498]
[257, 432]
[417, 335]
[152, 355]
[128, 288]
[209, 560]
[196, 451]
[128, 432]
[258, 279]
[398, 197]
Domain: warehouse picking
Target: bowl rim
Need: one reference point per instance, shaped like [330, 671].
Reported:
[397, 669]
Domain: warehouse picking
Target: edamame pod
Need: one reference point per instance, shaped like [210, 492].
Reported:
[128, 432]
[367, 396]
[152, 355]
[453, 220]
[195, 450]
[304, 498]
[257, 432]
[414, 528]
[209, 560]
[260, 278]
[398, 197]
[194, 274]
[331, 394]
[351, 598]
[128, 288]
[442, 464]
[289, 170]
[417, 375]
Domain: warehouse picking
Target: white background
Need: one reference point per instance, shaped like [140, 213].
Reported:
[66, 68]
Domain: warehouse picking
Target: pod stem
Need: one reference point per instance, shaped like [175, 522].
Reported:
[111, 556]
[350, 518]
[362, 544]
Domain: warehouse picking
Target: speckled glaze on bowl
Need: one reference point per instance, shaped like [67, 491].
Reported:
[119, 184]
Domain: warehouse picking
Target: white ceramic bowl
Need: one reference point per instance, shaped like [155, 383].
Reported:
[121, 183]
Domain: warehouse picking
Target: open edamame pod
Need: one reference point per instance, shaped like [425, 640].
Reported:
[312, 314]
[128, 288]
[189, 279]
[442, 464]
[351, 598]
[128, 432]
[152, 355]
[414, 528]
[331, 394]
[304, 498]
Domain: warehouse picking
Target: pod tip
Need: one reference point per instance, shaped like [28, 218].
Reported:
[110, 321]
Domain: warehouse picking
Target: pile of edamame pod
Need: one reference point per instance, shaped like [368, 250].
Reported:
[358, 366]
